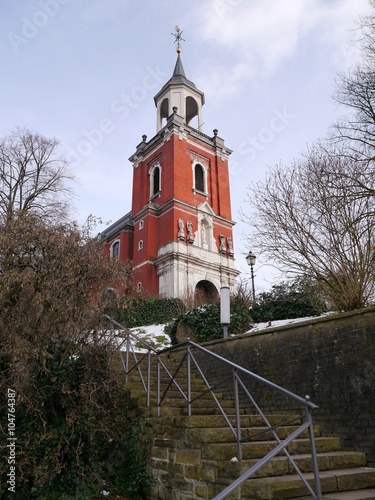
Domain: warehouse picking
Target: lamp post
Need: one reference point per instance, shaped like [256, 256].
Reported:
[250, 259]
[225, 309]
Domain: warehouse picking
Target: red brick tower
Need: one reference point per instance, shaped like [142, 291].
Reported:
[181, 211]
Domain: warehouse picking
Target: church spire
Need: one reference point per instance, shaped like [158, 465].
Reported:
[179, 69]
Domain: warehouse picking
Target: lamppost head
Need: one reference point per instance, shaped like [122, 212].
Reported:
[250, 259]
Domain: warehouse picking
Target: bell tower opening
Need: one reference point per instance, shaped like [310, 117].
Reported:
[164, 112]
[191, 109]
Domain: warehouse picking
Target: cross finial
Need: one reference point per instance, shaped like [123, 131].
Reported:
[178, 38]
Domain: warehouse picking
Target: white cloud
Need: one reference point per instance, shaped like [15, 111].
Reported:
[222, 81]
[259, 35]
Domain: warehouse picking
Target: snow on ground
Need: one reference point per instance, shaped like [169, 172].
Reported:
[154, 334]
[282, 322]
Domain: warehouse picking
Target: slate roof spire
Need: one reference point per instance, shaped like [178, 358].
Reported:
[179, 69]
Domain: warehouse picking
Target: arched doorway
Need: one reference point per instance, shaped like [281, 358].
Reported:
[205, 292]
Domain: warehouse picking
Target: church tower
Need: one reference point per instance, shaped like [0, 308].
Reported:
[181, 211]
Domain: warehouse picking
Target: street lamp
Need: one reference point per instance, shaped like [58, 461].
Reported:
[225, 309]
[250, 259]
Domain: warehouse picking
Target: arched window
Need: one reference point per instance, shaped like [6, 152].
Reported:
[199, 178]
[115, 250]
[156, 178]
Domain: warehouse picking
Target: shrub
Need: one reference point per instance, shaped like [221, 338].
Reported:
[79, 437]
[205, 321]
[288, 300]
[73, 428]
[141, 311]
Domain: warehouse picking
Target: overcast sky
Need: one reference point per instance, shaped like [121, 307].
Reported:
[86, 72]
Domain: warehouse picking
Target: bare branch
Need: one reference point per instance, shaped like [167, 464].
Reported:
[308, 222]
[33, 177]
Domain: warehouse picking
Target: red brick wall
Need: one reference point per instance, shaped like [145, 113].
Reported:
[175, 157]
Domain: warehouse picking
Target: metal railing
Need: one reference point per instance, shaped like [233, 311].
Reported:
[237, 374]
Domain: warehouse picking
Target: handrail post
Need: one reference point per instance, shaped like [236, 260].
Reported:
[158, 383]
[148, 376]
[127, 356]
[318, 489]
[237, 410]
[188, 377]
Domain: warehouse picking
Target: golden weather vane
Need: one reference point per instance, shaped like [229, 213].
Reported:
[178, 38]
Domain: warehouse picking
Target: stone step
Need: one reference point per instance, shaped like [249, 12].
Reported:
[135, 377]
[212, 421]
[206, 411]
[173, 392]
[179, 402]
[291, 486]
[227, 451]
[346, 495]
[281, 465]
[225, 435]
[224, 473]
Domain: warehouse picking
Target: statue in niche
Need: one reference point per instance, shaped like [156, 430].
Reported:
[203, 236]
[181, 232]
[223, 248]
[190, 235]
[230, 245]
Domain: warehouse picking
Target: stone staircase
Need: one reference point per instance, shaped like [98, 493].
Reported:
[195, 457]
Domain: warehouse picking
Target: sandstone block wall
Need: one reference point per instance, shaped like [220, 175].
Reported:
[332, 359]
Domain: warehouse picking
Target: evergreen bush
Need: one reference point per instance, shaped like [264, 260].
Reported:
[288, 300]
[205, 321]
[142, 311]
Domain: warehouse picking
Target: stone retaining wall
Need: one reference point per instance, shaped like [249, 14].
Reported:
[332, 359]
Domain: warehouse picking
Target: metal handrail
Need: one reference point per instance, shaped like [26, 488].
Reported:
[237, 372]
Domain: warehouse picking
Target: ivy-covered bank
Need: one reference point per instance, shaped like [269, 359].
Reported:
[205, 321]
[142, 311]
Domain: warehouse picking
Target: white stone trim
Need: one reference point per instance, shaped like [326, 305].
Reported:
[202, 163]
[180, 267]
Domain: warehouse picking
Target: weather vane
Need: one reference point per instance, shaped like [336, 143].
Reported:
[178, 38]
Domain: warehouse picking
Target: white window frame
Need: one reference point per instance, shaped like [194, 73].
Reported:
[139, 287]
[140, 245]
[205, 169]
[140, 225]
[151, 174]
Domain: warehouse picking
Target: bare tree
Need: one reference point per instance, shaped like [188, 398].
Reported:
[308, 222]
[355, 90]
[33, 177]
